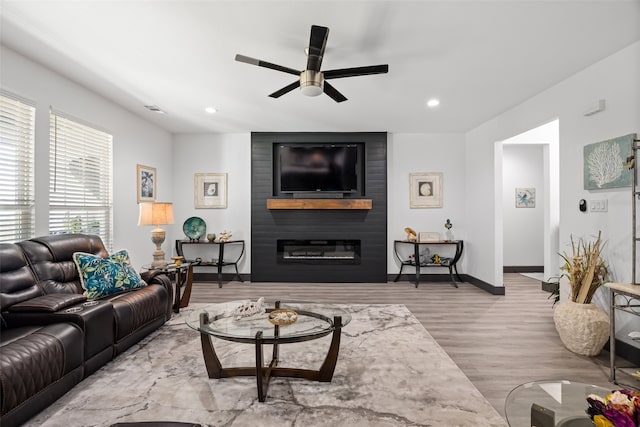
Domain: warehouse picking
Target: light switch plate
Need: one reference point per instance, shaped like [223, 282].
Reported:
[598, 205]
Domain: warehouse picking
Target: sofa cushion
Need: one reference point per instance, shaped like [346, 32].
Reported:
[105, 276]
[134, 310]
[51, 258]
[33, 358]
[17, 281]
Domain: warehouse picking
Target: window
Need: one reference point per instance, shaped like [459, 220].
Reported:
[17, 205]
[80, 174]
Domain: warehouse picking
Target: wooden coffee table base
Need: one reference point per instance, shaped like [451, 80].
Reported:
[263, 373]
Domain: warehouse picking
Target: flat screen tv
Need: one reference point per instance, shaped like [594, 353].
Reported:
[319, 168]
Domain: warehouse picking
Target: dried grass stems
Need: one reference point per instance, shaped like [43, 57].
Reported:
[585, 270]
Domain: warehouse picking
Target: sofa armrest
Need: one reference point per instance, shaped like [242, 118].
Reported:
[156, 277]
[47, 303]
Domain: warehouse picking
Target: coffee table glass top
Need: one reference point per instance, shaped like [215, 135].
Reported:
[567, 399]
[314, 320]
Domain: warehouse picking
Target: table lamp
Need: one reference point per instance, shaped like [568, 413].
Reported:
[156, 213]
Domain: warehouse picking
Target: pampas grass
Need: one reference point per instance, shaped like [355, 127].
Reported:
[585, 269]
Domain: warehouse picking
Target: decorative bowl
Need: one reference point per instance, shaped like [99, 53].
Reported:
[194, 228]
[282, 317]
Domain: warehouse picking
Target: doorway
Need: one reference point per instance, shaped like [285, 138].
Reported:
[528, 189]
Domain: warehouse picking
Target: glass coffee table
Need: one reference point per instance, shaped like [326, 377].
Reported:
[314, 321]
[550, 403]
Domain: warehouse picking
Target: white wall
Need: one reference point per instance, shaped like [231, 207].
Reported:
[211, 153]
[466, 161]
[523, 228]
[231, 153]
[615, 79]
[135, 140]
[408, 153]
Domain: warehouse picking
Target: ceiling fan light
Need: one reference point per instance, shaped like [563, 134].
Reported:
[311, 83]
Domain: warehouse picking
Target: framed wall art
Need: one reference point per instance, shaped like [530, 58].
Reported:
[425, 190]
[210, 190]
[525, 197]
[428, 236]
[604, 163]
[147, 181]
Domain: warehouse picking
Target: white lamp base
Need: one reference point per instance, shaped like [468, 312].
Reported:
[157, 237]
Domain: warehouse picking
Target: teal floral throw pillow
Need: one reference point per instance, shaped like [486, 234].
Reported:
[106, 276]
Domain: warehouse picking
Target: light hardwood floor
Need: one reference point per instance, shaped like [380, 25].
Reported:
[499, 342]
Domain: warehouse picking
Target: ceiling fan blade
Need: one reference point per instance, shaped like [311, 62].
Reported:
[356, 71]
[333, 93]
[317, 44]
[286, 89]
[265, 64]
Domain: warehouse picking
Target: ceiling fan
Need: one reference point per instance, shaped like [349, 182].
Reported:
[312, 81]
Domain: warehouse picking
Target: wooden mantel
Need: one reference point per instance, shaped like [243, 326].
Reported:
[364, 204]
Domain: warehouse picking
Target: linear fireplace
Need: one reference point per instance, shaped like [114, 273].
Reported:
[319, 251]
[343, 245]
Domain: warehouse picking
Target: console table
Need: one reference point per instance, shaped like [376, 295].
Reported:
[450, 263]
[220, 261]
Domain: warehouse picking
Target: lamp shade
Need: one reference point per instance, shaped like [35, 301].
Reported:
[156, 213]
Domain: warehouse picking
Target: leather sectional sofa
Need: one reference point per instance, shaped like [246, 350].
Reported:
[52, 336]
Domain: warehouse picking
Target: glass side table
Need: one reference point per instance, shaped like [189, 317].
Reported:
[182, 276]
[559, 403]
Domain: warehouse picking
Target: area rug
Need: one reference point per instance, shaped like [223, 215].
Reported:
[390, 372]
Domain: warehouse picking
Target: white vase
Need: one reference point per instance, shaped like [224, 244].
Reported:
[583, 328]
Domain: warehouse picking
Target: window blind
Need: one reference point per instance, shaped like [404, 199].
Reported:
[17, 205]
[80, 174]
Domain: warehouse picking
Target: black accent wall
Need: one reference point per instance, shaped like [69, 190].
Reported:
[368, 226]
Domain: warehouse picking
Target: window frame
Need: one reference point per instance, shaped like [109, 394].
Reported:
[17, 168]
[81, 178]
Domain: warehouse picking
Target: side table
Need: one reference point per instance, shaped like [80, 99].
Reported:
[182, 276]
[550, 403]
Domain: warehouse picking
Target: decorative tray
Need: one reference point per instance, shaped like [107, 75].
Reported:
[282, 317]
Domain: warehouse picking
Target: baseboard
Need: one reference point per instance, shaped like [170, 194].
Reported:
[487, 287]
[425, 278]
[523, 269]
[550, 287]
[626, 351]
[213, 277]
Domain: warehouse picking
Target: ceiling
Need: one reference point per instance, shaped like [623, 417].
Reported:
[480, 58]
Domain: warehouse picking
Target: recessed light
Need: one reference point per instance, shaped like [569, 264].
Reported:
[155, 109]
[210, 110]
[433, 102]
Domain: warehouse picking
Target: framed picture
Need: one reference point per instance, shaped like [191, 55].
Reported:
[525, 197]
[210, 190]
[428, 236]
[147, 180]
[425, 190]
[604, 163]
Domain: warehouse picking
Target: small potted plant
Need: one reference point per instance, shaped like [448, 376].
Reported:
[583, 327]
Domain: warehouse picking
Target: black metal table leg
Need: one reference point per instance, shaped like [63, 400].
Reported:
[416, 259]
